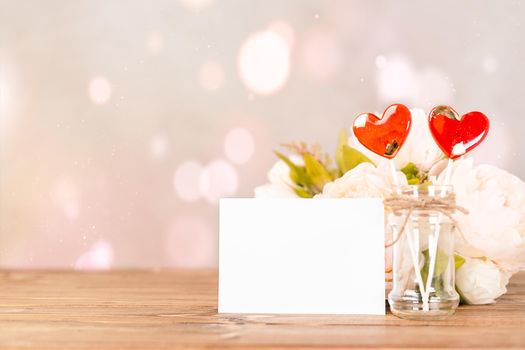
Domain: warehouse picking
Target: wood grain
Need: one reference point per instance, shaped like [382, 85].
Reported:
[178, 310]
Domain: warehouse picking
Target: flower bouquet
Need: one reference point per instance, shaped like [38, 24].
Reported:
[490, 240]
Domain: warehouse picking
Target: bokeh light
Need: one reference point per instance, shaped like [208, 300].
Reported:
[66, 197]
[5, 96]
[321, 55]
[218, 179]
[187, 181]
[158, 146]
[98, 257]
[211, 76]
[264, 62]
[4, 93]
[99, 90]
[284, 29]
[397, 80]
[490, 65]
[434, 88]
[196, 5]
[155, 43]
[381, 62]
[7, 93]
[190, 242]
[239, 145]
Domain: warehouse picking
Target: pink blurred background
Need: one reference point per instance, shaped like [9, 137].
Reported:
[122, 122]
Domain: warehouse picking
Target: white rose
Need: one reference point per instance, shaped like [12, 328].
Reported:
[280, 185]
[495, 225]
[419, 148]
[365, 180]
[481, 281]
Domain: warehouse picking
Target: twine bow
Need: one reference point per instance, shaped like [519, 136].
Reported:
[445, 205]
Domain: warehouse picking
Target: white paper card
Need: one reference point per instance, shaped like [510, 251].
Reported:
[302, 256]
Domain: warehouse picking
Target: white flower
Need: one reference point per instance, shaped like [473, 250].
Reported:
[419, 148]
[495, 225]
[280, 185]
[274, 191]
[481, 281]
[365, 180]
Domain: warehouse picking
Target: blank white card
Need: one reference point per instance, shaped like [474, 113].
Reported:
[302, 256]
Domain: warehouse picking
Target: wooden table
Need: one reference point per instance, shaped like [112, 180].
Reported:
[178, 309]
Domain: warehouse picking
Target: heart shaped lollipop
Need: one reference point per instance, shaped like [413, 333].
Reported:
[457, 135]
[387, 135]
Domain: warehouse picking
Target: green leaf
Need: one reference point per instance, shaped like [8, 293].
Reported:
[347, 157]
[316, 172]
[303, 193]
[342, 141]
[343, 137]
[441, 262]
[309, 179]
[439, 268]
[412, 174]
[458, 261]
[352, 158]
[413, 182]
[297, 173]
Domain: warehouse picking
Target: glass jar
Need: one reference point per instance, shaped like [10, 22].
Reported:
[423, 252]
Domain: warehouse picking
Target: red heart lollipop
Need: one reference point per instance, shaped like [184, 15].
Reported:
[457, 135]
[387, 135]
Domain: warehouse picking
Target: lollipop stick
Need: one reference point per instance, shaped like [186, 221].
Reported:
[448, 173]
[432, 253]
[414, 254]
[434, 240]
[394, 172]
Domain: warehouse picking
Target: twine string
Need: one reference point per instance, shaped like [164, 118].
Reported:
[401, 203]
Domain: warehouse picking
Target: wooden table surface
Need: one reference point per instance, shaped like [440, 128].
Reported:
[178, 309]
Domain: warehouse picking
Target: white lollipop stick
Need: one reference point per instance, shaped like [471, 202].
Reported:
[415, 263]
[433, 241]
[432, 254]
[394, 172]
[448, 174]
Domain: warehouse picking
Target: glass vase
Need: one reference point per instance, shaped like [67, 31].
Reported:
[423, 253]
